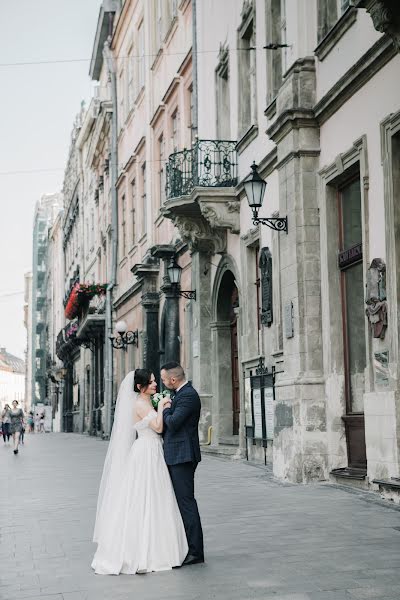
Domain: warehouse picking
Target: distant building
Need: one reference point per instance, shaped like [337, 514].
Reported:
[12, 379]
[28, 351]
[46, 210]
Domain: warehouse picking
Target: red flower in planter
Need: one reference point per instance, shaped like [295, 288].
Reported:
[80, 294]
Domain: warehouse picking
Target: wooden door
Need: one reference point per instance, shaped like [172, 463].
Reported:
[235, 364]
[353, 319]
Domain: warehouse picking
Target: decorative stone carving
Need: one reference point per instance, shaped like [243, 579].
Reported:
[222, 214]
[265, 264]
[200, 235]
[385, 16]
[376, 310]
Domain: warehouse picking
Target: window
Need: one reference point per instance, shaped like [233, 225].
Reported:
[144, 200]
[175, 131]
[247, 75]
[133, 210]
[352, 293]
[222, 92]
[131, 78]
[258, 286]
[141, 58]
[191, 113]
[329, 12]
[121, 97]
[276, 34]
[123, 228]
[92, 229]
[159, 24]
[161, 173]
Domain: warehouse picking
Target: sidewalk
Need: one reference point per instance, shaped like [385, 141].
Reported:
[264, 540]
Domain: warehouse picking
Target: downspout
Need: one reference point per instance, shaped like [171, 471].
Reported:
[195, 123]
[109, 373]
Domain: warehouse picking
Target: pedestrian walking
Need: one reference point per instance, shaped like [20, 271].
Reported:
[31, 423]
[16, 424]
[5, 423]
[41, 423]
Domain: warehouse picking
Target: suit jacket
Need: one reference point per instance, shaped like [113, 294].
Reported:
[181, 427]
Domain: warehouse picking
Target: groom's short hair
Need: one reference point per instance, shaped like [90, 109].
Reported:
[174, 369]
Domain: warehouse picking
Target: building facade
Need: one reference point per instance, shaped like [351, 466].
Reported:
[28, 351]
[289, 332]
[45, 212]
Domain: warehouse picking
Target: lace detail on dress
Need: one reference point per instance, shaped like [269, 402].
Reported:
[145, 422]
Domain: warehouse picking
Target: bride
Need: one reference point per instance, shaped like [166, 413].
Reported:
[138, 524]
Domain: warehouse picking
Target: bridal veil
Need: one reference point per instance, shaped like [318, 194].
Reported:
[122, 437]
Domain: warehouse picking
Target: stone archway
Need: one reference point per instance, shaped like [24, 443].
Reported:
[226, 390]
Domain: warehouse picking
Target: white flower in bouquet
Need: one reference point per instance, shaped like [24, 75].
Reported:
[155, 399]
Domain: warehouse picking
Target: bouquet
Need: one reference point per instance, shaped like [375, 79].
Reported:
[155, 399]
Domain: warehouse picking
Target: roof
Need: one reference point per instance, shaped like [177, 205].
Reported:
[9, 362]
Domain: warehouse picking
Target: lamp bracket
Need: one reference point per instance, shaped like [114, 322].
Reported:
[276, 223]
[190, 294]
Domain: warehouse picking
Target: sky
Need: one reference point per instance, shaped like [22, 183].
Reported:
[38, 104]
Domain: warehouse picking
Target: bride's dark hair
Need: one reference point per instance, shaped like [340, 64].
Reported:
[142, 378]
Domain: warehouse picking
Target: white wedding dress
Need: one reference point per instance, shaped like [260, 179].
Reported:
[138, 525]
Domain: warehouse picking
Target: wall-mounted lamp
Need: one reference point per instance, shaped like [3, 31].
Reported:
[124, 337]
[254, 187]
[174, 274]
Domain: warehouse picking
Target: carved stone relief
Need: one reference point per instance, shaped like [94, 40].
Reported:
[222, 214]
[376, 310]
[200, 236]
[385, 16]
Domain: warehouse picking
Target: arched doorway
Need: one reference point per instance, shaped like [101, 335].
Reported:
[227, 358]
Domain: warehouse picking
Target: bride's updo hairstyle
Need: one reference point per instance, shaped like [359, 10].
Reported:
[142, 378]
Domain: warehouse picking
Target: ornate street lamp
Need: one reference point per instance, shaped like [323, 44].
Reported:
[174, 274]
[124, 337]
[254, 187]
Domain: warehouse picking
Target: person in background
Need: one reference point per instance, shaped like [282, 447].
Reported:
[22, 435]
[31, 423]
[41, 424]
[16, 424]
[5, 419]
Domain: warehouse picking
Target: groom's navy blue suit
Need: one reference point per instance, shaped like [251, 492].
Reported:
[182, 455]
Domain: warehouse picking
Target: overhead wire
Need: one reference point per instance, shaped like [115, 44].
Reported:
[122, 57]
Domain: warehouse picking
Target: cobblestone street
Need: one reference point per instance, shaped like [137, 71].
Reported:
[264, 540]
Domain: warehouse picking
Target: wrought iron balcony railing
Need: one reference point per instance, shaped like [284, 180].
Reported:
[209, 163]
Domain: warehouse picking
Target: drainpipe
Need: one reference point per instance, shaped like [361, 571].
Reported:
[195, 123]
[109, 374]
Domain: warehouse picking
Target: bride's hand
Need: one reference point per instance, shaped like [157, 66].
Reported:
[164, 403]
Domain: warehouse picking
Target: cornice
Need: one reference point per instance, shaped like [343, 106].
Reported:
[327, 44]
[293, 118]
[355, 78]
[171, 89]
[157, 114]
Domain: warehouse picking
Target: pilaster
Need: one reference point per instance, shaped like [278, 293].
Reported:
[300, 450]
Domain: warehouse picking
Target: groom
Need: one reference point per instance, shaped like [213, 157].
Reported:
[182, 453]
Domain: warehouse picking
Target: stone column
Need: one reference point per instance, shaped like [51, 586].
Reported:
[300, 444]
[201, 335]
[151, 302]
[222, 417]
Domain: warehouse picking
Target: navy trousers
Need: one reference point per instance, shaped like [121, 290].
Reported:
[182, 477]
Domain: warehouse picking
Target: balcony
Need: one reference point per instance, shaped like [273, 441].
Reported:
[200, 189]
[210, 163]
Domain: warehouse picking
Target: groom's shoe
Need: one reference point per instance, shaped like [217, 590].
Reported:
[191, 559]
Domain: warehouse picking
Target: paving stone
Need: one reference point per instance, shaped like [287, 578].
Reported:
[264, 539]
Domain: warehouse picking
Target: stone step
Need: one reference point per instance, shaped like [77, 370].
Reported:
[221, 450]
